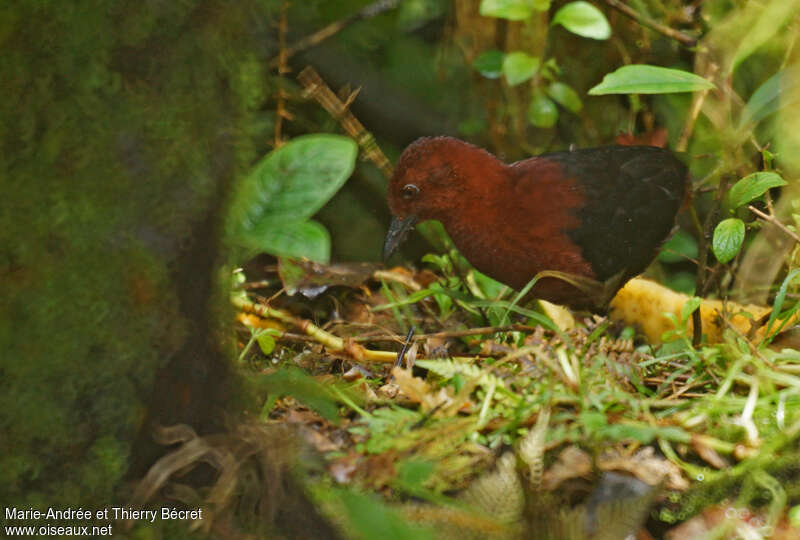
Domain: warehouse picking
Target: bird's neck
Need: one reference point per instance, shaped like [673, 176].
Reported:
[481, 206]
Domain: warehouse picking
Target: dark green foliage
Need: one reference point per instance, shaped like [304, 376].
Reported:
[122, 124]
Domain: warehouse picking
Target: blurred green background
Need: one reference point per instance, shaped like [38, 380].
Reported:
[125, 125]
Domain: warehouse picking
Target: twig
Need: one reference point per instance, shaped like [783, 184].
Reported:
[480, 331]
[448, 334]
[261, 284]
[703, 231]
[749, 343]
[283, 68]
[397, 277]
[406, 345]
[327, 339]
[644, 20]
[367, 12]
[774, 221]
[315, 87]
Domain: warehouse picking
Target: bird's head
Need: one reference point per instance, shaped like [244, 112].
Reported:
[431, 181]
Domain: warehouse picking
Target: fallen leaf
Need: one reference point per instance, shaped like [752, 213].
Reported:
[646, 466]
[572, 463]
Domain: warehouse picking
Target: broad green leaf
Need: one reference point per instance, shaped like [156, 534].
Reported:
[644, 79]
[513, 10]
[542, 112]
[753, 186]
[489, 64]
[777, 92]
[564, 95]
[728, 238]
[518, 67]
[540, 5]
[680, 247]
[775, 14]
[291, 183]
[299, 239]
[584, 19]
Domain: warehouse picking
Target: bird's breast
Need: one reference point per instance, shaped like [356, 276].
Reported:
[521, 228]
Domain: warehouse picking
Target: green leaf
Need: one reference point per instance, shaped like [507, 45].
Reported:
[490, 287]
[777, 305]
[753, 186]
[294, 382]
[645, 79]
[489, 64]
[691, 305]
[291, 183]
[680, 247]
[304, 239]
[564, 95]
[540, 5]
[518, 67]
[728, 238]
[777, 92]
[513, 10]
[584, 19]
[266, 343]
[542, 112]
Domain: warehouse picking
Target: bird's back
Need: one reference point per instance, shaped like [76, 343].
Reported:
[632, 194]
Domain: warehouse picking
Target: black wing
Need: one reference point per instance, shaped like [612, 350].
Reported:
[633, 194]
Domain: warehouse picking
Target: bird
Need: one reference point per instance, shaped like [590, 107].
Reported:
[582, 221]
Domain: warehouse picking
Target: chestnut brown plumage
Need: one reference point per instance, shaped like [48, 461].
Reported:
[590, 218]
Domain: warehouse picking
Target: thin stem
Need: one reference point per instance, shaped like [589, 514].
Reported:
[644, 20]
[319, 335]
[316, 88]
[774, 221]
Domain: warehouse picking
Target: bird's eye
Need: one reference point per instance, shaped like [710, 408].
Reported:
[409, 191]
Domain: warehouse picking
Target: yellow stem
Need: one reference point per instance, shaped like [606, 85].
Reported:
[327, 339]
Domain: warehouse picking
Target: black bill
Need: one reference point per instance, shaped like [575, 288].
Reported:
[397, 233]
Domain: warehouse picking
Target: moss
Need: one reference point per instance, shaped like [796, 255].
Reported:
[122, 125]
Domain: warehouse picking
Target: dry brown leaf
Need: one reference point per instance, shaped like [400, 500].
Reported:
[319, 441]
[344, 468]
[418, 391]
[572, 463]
[646, 466]
[708, 454]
